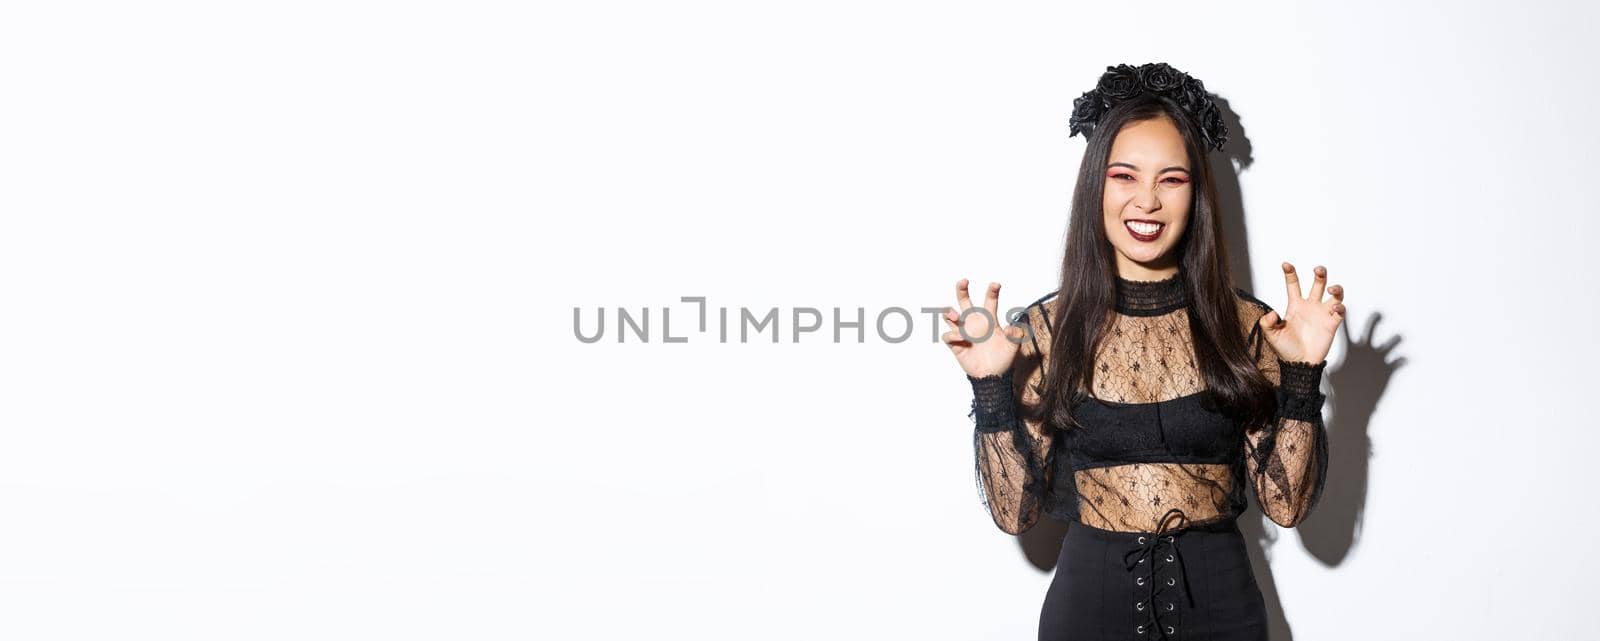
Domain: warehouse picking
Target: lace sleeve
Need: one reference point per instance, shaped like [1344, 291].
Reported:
[1012, 453]
[1287, 459]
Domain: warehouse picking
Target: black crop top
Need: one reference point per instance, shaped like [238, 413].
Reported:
[1149, 442]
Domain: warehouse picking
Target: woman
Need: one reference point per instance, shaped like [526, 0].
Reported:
[1139, 400]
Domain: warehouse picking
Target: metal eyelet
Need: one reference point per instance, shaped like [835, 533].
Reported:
[1139, 607]
[1171, 581]
[1141, 560]
[1141, 540]
[1169, 557]
[1170, 630]
[1139, 581]
[1169, 539]
[1169, 607]
[1140, 629]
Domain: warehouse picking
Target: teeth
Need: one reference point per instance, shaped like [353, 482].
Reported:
[1143, 227]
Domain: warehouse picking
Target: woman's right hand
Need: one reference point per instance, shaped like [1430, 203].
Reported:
[979, 356]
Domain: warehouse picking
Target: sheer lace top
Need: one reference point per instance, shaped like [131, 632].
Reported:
[1152, 451]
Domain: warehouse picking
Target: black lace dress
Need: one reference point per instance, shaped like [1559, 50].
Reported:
[1154, 480]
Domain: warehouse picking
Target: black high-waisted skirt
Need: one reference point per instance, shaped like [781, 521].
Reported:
[1192, 584]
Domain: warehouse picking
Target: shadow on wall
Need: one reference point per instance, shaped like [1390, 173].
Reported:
[1358, 381]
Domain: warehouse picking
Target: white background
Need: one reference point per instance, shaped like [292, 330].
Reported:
[288, 293]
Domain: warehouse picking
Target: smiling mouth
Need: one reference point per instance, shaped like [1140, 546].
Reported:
[1144, 230]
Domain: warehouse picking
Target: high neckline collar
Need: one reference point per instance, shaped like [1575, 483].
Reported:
[1151, 297]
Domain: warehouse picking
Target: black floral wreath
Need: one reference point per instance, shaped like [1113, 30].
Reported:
[1122, 82]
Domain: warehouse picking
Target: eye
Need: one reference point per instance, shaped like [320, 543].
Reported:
[1119, 176]
[1174, 180]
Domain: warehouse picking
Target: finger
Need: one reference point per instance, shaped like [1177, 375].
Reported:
[1337, 292]
[991, 300]
[1319, 282]
[953, 338]
[962, 299]
[1269, 320]
[1338, 310]
[1292, 281]
[951, 317]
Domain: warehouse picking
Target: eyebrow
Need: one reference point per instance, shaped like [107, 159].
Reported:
[1123, 164]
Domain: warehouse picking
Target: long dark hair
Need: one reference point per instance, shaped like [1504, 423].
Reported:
[1087, 296]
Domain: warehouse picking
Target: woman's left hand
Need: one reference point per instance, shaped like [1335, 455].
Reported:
[1304, 332]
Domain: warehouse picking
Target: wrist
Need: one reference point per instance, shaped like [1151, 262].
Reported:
[1299, 389]
[993, 405]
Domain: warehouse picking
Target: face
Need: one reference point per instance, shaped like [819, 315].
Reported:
[1147, 198]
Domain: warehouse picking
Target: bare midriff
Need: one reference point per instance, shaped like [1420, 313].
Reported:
[1134, 497]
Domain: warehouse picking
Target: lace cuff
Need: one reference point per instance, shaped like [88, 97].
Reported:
[994, 408]
[1299, 390]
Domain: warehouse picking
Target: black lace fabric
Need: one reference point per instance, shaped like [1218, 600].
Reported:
[1146, 382]
[1014, 455]
[1288, 460]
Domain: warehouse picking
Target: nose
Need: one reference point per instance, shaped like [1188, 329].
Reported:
[1145, 199]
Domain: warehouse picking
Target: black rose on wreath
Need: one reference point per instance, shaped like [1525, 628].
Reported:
[1191, 95]
[1159, 77]
[1086, 111]
[1213, 127]
[1119, 83]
